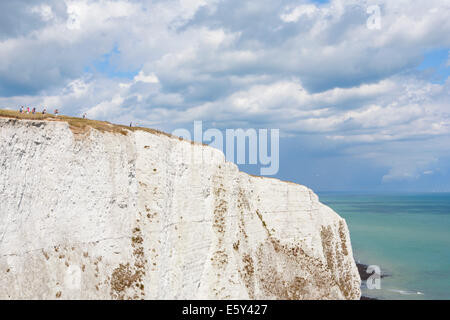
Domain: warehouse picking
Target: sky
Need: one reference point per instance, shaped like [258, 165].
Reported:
[359, 108]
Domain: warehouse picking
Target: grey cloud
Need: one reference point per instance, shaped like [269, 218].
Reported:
[18, 19]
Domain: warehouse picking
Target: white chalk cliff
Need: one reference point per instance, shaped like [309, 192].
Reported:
[103, 215]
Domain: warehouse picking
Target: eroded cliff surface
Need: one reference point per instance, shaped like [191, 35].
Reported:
[95, 215]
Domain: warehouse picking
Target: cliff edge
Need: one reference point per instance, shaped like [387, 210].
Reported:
[89, 214]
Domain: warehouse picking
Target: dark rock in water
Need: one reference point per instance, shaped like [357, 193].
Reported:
[367, 298]
[362, 269]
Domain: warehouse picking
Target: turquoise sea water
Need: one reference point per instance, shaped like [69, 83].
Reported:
[407, 235]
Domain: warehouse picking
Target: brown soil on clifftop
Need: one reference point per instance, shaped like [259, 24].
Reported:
[79, 125]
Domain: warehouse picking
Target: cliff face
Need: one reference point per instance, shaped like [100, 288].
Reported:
[110, 216]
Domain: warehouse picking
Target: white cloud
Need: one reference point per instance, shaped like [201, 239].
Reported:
[151, 78]
[45, 12]
[303, 10]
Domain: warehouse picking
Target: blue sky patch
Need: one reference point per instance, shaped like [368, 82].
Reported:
[435, 62]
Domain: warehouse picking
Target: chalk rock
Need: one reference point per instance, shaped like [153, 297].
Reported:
[102, 215]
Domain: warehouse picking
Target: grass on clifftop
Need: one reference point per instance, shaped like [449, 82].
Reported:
[79, 125]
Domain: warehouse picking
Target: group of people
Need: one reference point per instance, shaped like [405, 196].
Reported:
[33, 111]
[44, 111]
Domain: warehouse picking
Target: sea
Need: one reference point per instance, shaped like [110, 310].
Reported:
[406, 235]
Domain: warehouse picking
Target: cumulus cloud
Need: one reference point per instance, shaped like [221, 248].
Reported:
[296, 13]
[307, 68]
